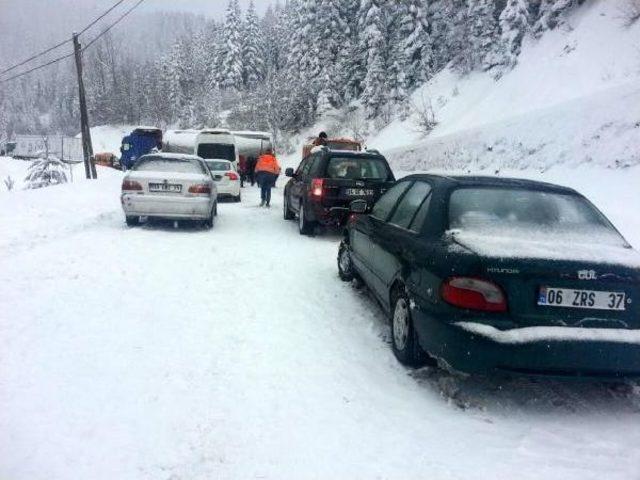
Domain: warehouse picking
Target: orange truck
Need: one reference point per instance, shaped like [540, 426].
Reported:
[334, 144]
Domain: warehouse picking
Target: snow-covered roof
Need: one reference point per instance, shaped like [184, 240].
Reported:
[252, 134]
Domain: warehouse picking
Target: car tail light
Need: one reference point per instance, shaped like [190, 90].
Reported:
[474, 294]
[317, 185]
[131, 185]
[232, 176]
[200, 189]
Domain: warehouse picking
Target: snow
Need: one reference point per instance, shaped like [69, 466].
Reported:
[157, 352]
[108, 138]
[526, 243]
[572, 100]
[550, 334]
[164, 353]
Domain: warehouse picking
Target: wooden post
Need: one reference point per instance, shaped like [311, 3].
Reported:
[87, 147]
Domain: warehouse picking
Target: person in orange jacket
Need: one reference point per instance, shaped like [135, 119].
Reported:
[267, 171]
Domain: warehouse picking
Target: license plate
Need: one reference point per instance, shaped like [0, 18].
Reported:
[359, 192]
[165, 187]
[592, 299]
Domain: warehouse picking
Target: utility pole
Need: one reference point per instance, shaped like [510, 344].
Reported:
[87, 147]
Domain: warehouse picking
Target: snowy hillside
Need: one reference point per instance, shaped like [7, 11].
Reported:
[573, 99]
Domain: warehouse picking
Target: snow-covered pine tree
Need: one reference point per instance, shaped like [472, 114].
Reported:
[550, 14]
[483, 34]
[413, 33]
[514, 22]
[46, 172]
[252, 49]
[442, 16]
[231, 69]
[374, 44]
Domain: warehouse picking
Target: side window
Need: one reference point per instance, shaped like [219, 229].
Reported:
[409, 205]
[418, 221]
[303, 163]
[307, 165]
[383, 207]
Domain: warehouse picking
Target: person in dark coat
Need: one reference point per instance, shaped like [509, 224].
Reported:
[251, 169]
[321, 141]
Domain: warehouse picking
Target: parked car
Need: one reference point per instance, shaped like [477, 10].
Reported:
[173, 186]
[226, 177]
[489, 274]
[326, 181]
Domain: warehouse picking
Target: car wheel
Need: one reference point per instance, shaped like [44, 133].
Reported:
[132, 221]
[215, 209]
[287, 213]
[209, 222]
[305, 226]
[404, 340]
[237, 198]
[345, 265]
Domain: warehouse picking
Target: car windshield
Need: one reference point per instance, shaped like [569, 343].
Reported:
[357, 168]
[520, 210]
[219, 165]
[158, 164]
[217, 150]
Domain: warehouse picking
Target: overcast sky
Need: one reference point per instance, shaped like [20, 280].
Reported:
[214, 8]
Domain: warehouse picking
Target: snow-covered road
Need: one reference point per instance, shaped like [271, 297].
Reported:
[162, 353]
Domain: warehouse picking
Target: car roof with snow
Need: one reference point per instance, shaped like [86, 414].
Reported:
[486, 181]
[171, 156]
[347, 153]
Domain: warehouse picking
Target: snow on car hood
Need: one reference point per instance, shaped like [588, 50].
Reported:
[599, 246]
[150, 174]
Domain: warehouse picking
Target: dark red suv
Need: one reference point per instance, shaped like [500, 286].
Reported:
[327, 181]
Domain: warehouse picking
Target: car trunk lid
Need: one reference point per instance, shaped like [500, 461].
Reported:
[562, 283]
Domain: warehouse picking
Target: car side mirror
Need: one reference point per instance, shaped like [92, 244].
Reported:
[358, 206]
[289, 172]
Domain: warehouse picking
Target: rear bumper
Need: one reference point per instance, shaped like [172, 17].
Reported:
[166, 206]
[228, 189]
[328, 215]
[473, 347]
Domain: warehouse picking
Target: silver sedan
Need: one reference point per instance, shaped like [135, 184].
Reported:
[172, 186]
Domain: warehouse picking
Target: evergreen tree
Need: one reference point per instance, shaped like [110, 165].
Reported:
[373, 43]
[483, 33]
[551, 13]
[252, 49]
[514, 21]
[231, 68]
[413, 33]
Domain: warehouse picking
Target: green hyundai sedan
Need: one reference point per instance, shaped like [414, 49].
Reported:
[483, 275]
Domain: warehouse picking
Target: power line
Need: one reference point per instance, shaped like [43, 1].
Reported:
[122, 17]
[37, 68]
[34, 57]
[44, 52]
[101, 17]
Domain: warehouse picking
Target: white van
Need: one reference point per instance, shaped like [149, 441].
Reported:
[218, 144]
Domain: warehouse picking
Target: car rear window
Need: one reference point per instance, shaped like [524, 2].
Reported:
[482, 208]
[217, 150]
[353, 168]
[158, 164]
[217, 165]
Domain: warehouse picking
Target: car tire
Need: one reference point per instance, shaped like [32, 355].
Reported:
[215, 209]
[287, 213]
[132, 221]
[345, 264]
[237, 198]
[209, 222]
[404, 339]
[305, 226]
